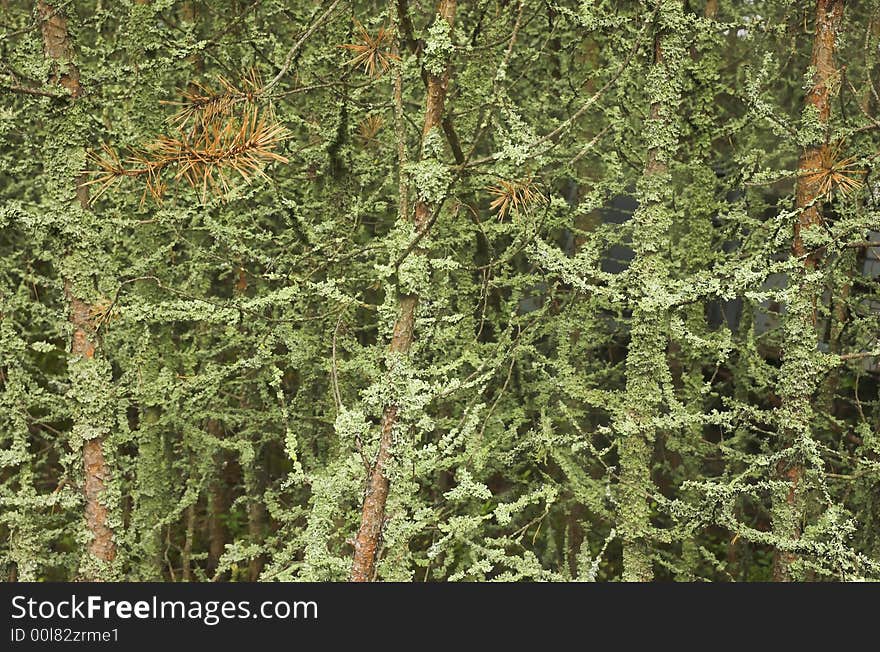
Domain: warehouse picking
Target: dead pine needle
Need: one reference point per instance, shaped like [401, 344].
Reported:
[370, 51]
[218, 136]
[515, 196]
[836, 172]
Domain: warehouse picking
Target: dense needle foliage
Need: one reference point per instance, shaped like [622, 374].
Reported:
[635, 239]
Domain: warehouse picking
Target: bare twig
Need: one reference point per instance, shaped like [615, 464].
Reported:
[26, 90]
[288, 60]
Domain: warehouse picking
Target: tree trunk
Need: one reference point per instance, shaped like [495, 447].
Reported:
[646, 363]
[188, 536]
[227, 475]
[57, 46]
[798, 375]
[366, 544]
[257, 514]
[218, 506]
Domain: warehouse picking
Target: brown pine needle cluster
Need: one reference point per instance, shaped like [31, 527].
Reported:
[101, 311]
[203, 105]
[836, 172]
[369, 51]
[217, 138]
[369, 127]
[517, 196]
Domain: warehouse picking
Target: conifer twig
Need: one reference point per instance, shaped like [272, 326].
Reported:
[288, 60]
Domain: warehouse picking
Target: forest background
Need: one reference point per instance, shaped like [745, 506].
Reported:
[407, 291]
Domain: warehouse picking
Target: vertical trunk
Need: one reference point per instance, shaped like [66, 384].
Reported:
[189, 535]
[150, 505]
[220, 498]
[218, 505]
[798, 379]
[58, 48]
[255, 485]
[366, 544]
[646, 355]
[228, 474]
[828, 17]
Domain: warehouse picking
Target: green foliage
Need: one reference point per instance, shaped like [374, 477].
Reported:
[598, 372]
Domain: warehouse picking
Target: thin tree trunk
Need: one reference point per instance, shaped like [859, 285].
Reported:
[255, 485]
[57, 46]
[189, 535]
[218, 505]
[219, 500]
[798, 378]
[366, 544]
[150, 505]
[646, 363]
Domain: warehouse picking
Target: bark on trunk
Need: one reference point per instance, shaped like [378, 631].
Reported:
[58, 47]
[366, 545]
[828, 16]
[801, 341]
[646, 363]
[189, 535]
